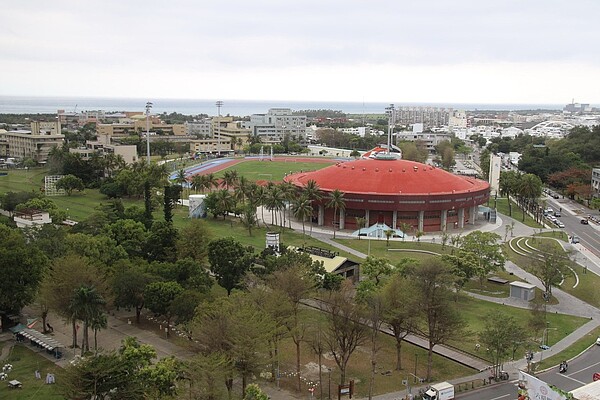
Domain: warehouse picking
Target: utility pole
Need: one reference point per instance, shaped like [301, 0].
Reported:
[148, 107]
[219, 104]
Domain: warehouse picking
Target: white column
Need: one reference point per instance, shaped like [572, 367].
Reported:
[473, 215]
[461, 218]
[443, 219]
[321, 215]
[342, 219]
[394, 218]
[421, 218]
[367, 223]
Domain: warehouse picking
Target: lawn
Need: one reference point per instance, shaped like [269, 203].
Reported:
[273, 170]
[25, 362]
[586, 290]
[517, 213]
[474, 311]
[360, 364]
[573, 350]
[395, 250]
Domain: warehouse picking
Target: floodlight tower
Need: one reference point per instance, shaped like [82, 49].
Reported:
[219, 104]
[148, 107]
[392, 120]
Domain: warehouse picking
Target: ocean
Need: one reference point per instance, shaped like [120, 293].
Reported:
[50, 105]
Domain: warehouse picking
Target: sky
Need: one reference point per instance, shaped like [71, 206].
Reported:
[461, 51]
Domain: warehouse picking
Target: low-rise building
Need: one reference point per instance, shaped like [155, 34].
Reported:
[31, 217]
[273, 126]
[596, 181]
[211, 146]
[35, 143]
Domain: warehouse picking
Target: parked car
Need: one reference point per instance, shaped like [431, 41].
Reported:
[585, 222]
[560, 224]
[575, 239]
[557, 214]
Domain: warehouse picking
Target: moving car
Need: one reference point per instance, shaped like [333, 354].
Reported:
[585, 222]
[575, 239]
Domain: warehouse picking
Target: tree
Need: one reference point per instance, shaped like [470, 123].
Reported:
[389, 233]
[302, 209]
[497, 337]
[229, 261]
[487, 250]
[509, 183]
[295, 283]
[337, 202]
[551, 265]
[86, 305]
[248, 217]
[253, 392]
[130, 234]
[22, 267]
[313, 193]
[441, 322]
[345, 332]
[238, 330]
[529, 189]
[128, 284]
[360, 224]
[377, 269]
[69, 183]
[399, 299]
[405, 227]
[161, 242]
[193, 241]
[62, 282]
[205, 372]
[159, 296]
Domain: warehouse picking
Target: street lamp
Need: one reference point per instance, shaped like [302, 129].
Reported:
[219, 104]
[544, 345]
[148, 107]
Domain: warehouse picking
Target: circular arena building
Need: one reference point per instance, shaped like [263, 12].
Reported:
[394, 192]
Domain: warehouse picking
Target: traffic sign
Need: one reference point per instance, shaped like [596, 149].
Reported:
[596, 376]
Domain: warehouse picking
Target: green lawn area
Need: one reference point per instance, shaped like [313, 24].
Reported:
[273, 170]
[517, 213]
[573, 350]
[491, 289]
[586, 290]
[474, 311]
[556, 234]
[395, 250]
[359, 365]
[25, 362]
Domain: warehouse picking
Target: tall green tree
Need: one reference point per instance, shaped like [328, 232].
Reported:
[440, 320]
[229, 261]
[551, 265]
[159, 296]
[337, 202]
[22, 267]
[69, 183]
[86, 305]
[487, 250]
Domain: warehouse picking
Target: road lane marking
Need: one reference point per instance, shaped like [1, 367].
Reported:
[573, 379]
[501, 397]
[583, 369]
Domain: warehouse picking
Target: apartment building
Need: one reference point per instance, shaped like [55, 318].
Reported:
[35, 143]
[273, 126]
[596, 181]
[211, 146]
[428, 116]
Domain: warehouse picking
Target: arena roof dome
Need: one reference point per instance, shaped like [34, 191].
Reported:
[388, 177]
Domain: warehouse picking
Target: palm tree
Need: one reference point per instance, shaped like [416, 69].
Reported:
[211, 181]
[99, 321]
[508, 184]
[224, 201]
[302, 208]
[530, 188]
[404, 227]
[336, 201]
[274, 200]
[289, 193]
[86, 304]
[198, 183]
[312, 193]
[181, 179]
[388, 234]
[230, 178]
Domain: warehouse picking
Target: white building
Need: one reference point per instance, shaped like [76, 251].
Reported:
[196, 128]
[273, 126]
[596, 181]
[359, 131]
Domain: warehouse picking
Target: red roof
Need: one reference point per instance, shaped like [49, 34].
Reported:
[393, 177]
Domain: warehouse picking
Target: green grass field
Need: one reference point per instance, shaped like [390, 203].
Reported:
[517, 213]
[272, 170]
[25, 362]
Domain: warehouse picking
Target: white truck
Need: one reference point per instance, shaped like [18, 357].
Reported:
[440, 391]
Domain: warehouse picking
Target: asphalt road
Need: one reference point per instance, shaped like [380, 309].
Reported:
[572, 214]
[580, 373]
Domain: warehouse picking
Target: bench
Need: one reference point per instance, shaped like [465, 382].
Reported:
[495, 279]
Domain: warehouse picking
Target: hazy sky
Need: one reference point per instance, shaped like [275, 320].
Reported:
[523, 51]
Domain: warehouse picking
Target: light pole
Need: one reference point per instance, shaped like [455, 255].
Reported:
[148, 107]
[545, 335]
[219, 104]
